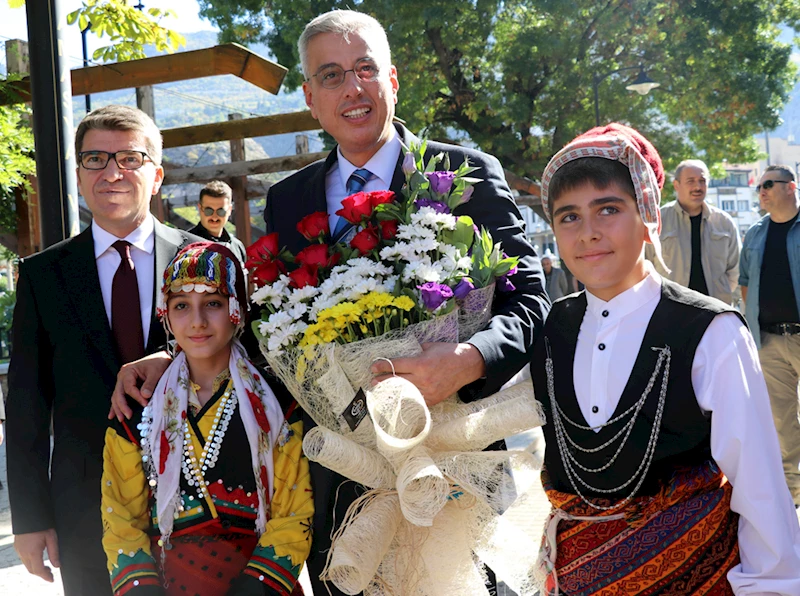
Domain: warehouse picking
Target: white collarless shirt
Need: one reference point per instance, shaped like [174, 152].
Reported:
[382, 166]
[143, 240]
[728, 383]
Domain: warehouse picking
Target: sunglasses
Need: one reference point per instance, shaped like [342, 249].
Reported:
[769, 184]
[220, 212]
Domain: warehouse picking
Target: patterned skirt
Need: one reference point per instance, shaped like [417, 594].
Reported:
[679, 542]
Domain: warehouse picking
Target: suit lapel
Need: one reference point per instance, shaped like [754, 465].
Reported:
[79, 278]
[167, 244]
[407, 138]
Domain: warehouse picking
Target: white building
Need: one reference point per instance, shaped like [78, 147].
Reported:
[736, 195]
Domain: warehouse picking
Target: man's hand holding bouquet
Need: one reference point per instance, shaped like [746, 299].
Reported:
[412, 272]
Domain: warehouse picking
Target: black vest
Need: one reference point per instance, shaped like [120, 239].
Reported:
[679, 321]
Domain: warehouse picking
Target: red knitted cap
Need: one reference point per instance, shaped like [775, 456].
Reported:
[644, 146]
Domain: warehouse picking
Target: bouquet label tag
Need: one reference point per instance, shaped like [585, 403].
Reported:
[356, 411]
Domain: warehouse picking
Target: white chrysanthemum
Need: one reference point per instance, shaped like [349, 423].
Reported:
[428, 217]
[286, 336]
[420, 246]
[414, 232]
[303, 294]
[274, 322]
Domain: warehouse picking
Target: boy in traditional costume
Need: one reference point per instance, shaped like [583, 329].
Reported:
[209, 492]
[662, 462]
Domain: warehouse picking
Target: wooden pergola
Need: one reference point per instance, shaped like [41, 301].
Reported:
[226, 59]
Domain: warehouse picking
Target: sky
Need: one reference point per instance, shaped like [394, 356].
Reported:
[13, 24]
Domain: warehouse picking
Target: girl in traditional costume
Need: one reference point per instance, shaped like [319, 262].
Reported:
[209, 493]
[662, 461]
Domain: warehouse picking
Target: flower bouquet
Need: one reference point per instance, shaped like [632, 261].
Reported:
[413, 272]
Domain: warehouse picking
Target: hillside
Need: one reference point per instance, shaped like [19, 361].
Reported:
[207, 100]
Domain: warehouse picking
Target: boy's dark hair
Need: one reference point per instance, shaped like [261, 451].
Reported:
[597, 171]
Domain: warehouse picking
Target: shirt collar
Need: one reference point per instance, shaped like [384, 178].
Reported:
[382, 164]
[142, 237]
[629, 300]
[705, 210]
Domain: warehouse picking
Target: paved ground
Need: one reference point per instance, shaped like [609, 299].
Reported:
[15, 581]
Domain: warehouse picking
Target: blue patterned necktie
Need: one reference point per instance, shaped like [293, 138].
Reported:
[355, 183]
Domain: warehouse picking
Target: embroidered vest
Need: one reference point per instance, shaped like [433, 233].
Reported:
[679, 321]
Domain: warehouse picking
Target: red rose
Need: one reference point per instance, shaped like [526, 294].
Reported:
[267, 272]
[356, 207]
[163, 452]
[265, 248]
[366, 240]
[388, 229]
[318, 255]
[304, 276]
[314, 226]
[378, 197]
[258, 410]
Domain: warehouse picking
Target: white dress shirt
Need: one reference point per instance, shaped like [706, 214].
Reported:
[382, 166]
[143, 240]
[728, 382]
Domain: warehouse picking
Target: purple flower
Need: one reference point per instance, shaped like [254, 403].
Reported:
[464, 287]
[437, 206]
[441, 181]
[511, 271]
[409, 164]
[467, 194]
[504, 285]
[434, 294]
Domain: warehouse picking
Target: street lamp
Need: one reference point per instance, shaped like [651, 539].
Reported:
[642, 85]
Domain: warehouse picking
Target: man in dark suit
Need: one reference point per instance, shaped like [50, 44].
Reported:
[84, 307]
[351, 88]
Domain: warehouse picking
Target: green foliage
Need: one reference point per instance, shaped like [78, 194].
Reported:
[128, 29]
[7, 302]
[16, 158]
[516, 77]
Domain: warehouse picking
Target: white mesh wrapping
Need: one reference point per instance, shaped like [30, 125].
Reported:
[474, 312]
[347, 458]
[435, 499]
[422, 488]
[481, 429]
[363, 543]
[448, 555]
[400, 417]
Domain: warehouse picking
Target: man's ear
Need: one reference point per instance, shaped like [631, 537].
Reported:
[309, 97]
[675, 185]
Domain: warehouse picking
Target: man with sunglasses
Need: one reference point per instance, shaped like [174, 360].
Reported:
[699, 242]
[85, 307]
[770, 280]
[215, 205]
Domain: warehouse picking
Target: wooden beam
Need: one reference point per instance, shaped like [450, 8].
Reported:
[224, 59]
[262, 126]
[241, 205]
[523, 185]
[241, 168]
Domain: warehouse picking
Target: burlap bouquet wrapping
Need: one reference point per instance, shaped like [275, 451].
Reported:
[435, 497]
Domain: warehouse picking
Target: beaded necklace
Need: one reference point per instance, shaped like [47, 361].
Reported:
[568, 459]
[194, 468]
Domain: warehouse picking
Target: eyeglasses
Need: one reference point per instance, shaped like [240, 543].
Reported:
[126, 160]
[220, 212]
[769, 184]
[332, 76]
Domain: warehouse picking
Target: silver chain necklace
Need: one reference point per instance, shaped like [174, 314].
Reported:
[568, 459]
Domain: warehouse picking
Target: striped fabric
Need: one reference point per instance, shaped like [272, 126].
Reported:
[681, 541]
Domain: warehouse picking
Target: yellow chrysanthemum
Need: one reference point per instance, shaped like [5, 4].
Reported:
[403, 302]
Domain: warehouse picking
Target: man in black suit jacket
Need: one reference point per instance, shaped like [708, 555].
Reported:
[351, 88]
[65, 355]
